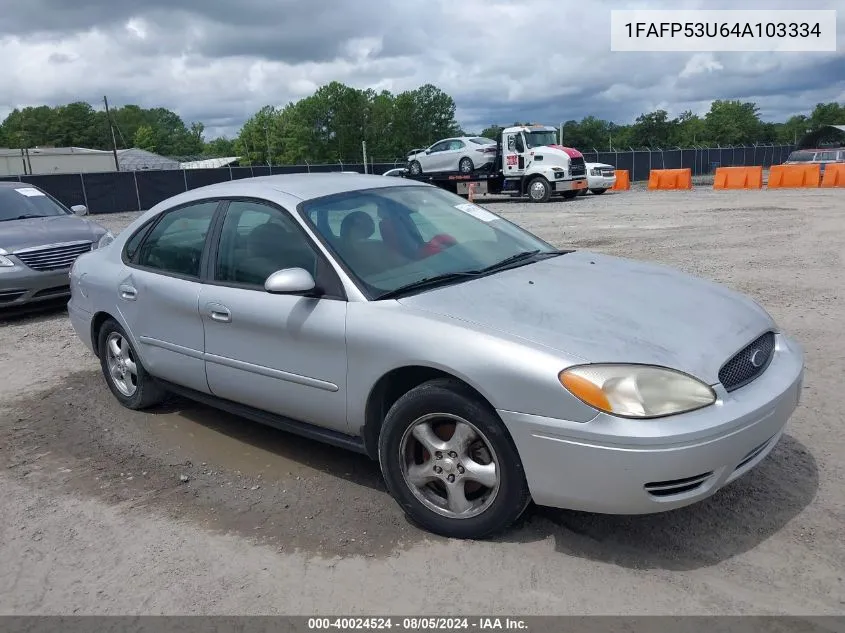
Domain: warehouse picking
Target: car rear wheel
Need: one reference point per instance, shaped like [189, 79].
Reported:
[465, 165]
[414, 168]
[450, 464]
[125, 375]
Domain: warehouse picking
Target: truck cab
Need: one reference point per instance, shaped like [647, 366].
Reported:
[534, 163]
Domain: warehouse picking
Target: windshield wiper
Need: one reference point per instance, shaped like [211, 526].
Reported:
[513, 259]
[427, 282]
[25, 216]
[435, 280]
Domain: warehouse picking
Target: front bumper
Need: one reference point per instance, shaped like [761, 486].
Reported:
[570, 185]
[601, 182]
[22, 286]
[617, 466]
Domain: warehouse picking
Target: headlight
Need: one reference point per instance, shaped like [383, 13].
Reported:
[5, 262]
[636, 391]
[595, 171]
[107, 239]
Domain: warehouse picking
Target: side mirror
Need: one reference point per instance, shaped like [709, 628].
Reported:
[79, 209]
[428, 151]
[289, 280]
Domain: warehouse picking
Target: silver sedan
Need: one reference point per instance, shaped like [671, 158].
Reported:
[464, 154]
[480, 366]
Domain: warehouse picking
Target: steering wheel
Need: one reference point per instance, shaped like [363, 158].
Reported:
[436, 244]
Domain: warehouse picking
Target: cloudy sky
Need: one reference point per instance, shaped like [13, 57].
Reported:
[218, 61]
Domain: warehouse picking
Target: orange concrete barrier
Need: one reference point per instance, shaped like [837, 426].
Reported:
[738, 178]
[791, 176]
[670, 179]
[834, 175]
[623, 180]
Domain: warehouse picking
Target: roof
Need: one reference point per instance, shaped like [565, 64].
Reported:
[209, 163]
[302, 186]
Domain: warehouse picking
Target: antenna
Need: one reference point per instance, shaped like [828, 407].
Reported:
[113, 139]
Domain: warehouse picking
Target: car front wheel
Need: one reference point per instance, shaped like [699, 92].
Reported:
[125, 375]
[415, 169]
[449, 462]
[598, 192]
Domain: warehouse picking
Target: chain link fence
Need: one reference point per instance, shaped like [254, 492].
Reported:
[141, 188]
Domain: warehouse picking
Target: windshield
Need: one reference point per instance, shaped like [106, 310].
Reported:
[801, 157]
[536, 139]
[27, 202]
[394, 236]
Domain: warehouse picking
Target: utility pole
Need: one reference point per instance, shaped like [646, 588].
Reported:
[113, 139]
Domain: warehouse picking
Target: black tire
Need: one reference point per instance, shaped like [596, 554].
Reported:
[598, 192]
[465, 165]
[536, 193]
[449, 397]
[147, 392]
[570, 195]
[414, 168]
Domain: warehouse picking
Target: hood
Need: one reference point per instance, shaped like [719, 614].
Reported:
[594, 165]
[555, 155]
[18, 234]
[599, 308]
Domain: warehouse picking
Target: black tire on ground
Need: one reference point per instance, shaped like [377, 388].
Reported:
[465, 165]
[539, 189]
[569, 195]
[147, 392]
[414, 168]
[452, 398]
[598, 192]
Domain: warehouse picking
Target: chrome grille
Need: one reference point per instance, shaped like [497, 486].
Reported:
[53, 257]
[578, 167]
[748, 363]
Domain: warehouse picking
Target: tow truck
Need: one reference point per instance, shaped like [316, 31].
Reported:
[528, 162]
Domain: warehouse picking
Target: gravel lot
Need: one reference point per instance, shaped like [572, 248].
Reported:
[95, 517]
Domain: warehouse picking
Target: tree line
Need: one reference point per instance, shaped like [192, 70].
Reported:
[330, 125]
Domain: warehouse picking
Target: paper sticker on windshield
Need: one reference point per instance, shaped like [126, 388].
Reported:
[476, 211]
[29, 191]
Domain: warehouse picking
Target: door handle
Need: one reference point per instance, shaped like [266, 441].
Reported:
[219, 313]
[128, 292]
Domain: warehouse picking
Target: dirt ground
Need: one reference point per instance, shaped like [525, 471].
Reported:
[96, 518]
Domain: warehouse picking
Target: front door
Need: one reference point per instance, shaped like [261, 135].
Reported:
[514, 157]
[158, 298]
[280, 353]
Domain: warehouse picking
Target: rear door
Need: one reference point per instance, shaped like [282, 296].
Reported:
[158, 297]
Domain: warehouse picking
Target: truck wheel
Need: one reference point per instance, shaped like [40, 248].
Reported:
[598, 191]
[449, 463]
[539, 190]
[569, 195]
[465, 165]
[415, 169]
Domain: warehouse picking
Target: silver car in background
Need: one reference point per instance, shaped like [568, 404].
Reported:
[39, 240]
[479, 365]
[464, 154]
